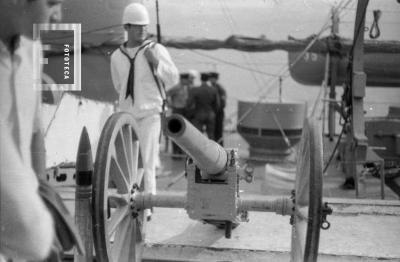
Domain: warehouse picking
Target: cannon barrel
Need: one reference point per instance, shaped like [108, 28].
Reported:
[208, 155]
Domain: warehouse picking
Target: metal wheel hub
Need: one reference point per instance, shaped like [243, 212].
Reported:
[132, 202]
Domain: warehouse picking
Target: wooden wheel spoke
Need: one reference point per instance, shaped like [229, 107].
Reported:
[303, 187]
[133, 148]
[122, 248]
[117, 216]
[128, 143]
[117, 176]
[139, 178]
[303, 173]
[121, 152]
[135, 162]
[300, 234]
[139, 229]
[117, 200]
[302, 213]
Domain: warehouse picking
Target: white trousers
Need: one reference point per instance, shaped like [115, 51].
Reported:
[148, 132]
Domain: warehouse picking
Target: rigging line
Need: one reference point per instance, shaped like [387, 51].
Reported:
[334, 150]
[87, 32]
[383, 23]
[244, 55]
[232, 25]
[226, 15]
[230, 63]
[286, 68]
[387, 11]
[353, 5]
[326, 26]
[247, 57]
[54, 115]
[181, 61]
[323, 88]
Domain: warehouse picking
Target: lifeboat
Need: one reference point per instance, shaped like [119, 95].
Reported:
[382, 69]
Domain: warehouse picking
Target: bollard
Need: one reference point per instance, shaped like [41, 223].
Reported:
[83, 196]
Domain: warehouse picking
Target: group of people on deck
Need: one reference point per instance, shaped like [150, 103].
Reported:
[202, 105]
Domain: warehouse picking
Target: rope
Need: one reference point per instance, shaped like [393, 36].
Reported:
[54, 115]
[232, 64]
[260, 81]
[334, 150]
[285, 137]
[87, 32]
[375, 32]
[285, 68]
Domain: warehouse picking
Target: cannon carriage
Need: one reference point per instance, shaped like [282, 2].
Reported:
[213, 175]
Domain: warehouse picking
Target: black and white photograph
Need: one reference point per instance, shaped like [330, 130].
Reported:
[199, 130]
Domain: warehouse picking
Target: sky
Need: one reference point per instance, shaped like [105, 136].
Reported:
[274, 19]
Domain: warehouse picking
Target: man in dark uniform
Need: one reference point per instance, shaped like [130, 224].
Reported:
[219, 115]
[205, 102]
[177, 99]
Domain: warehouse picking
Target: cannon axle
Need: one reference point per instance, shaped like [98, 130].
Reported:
[281, 206]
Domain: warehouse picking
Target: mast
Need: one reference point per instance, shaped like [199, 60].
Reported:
[356, 141]
[333, 67]
[158, 23]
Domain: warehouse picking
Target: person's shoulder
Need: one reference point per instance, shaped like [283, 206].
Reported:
[174, 88]
[211, 88]
[159, 47]
[220, 86]
[117, 52]
[194, 89]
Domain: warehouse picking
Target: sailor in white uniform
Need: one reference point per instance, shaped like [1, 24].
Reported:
[141, 70]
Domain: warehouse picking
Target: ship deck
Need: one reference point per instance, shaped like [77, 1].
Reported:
[364, 229]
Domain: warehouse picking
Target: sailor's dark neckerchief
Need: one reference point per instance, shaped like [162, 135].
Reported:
[131, 77]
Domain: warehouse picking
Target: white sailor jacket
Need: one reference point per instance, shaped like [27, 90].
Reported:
[26, 225]
[147, 98]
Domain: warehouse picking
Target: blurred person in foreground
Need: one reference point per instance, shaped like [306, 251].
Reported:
[140, 71]
[26, 225]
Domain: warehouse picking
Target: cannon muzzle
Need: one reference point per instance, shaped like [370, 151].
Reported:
[208, 155]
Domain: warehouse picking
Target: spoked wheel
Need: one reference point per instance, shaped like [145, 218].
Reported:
[307, 217]
[118, 174]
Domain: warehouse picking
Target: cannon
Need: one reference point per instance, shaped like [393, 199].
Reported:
[213, 175]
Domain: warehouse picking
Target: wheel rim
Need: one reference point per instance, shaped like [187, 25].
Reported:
[307, 215]
[118, 174]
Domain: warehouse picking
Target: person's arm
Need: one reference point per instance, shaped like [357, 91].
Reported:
[222, 94]
[26, 226]
[171, 93]
[114, 73]
[217, 100]
[173, 90]
[166, 70]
